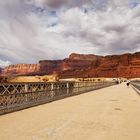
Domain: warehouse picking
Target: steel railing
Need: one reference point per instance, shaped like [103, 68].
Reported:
[136, 86]
[17, 96]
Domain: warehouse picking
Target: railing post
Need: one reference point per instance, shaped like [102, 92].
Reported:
[26, 87]
[52, 90]
[52, 87]
[67, 88]
[26, 90]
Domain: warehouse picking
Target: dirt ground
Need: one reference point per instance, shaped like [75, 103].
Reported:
[112, 113]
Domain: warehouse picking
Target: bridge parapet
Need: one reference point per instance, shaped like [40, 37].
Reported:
[17, 96]
[136, 86]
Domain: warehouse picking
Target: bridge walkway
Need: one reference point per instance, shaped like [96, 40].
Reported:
[111, 113]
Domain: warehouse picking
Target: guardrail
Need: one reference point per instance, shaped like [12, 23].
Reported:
[17, 96]
[136, 86]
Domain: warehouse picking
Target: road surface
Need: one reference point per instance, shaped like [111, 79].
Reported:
[111, 113]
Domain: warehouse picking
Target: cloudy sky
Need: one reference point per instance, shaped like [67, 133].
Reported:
[31, 30]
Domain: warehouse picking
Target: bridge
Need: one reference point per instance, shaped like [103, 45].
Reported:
[17, 96]
[110, 113]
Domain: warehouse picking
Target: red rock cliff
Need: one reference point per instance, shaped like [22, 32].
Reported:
[21, 69]
[127, 65]
[79, 65]
[89, 57]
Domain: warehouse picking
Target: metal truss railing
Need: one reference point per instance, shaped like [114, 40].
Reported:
[16, 96]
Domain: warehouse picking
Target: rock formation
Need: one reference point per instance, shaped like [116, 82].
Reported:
[79, 65]
[45, 78]
[127, 65]
[21, 69]
[88, 57]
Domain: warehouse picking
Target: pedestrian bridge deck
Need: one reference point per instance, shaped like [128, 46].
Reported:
[112, 113]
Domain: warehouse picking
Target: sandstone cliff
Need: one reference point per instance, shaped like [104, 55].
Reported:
[79, 65]
[88, 57]
[21, 69]
[127, 65]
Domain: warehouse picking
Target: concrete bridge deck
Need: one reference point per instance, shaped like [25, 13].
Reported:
[111, 113]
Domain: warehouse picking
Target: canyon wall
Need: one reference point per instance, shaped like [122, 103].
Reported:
[21, 69]
[127, 65]
[79, 65]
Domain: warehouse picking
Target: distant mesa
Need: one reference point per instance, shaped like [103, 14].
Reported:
[88, 57]
[20, 69]
[80, 65]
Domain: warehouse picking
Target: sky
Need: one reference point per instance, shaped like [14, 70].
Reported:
[33, 30]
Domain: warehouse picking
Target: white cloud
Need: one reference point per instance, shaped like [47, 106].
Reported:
[74, 3]
[4, 63]
[103, 27]
[19, 34]
[115, 31]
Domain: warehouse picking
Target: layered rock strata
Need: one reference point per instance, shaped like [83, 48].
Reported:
[79, 65]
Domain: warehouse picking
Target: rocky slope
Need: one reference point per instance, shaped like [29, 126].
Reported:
[79, 65]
